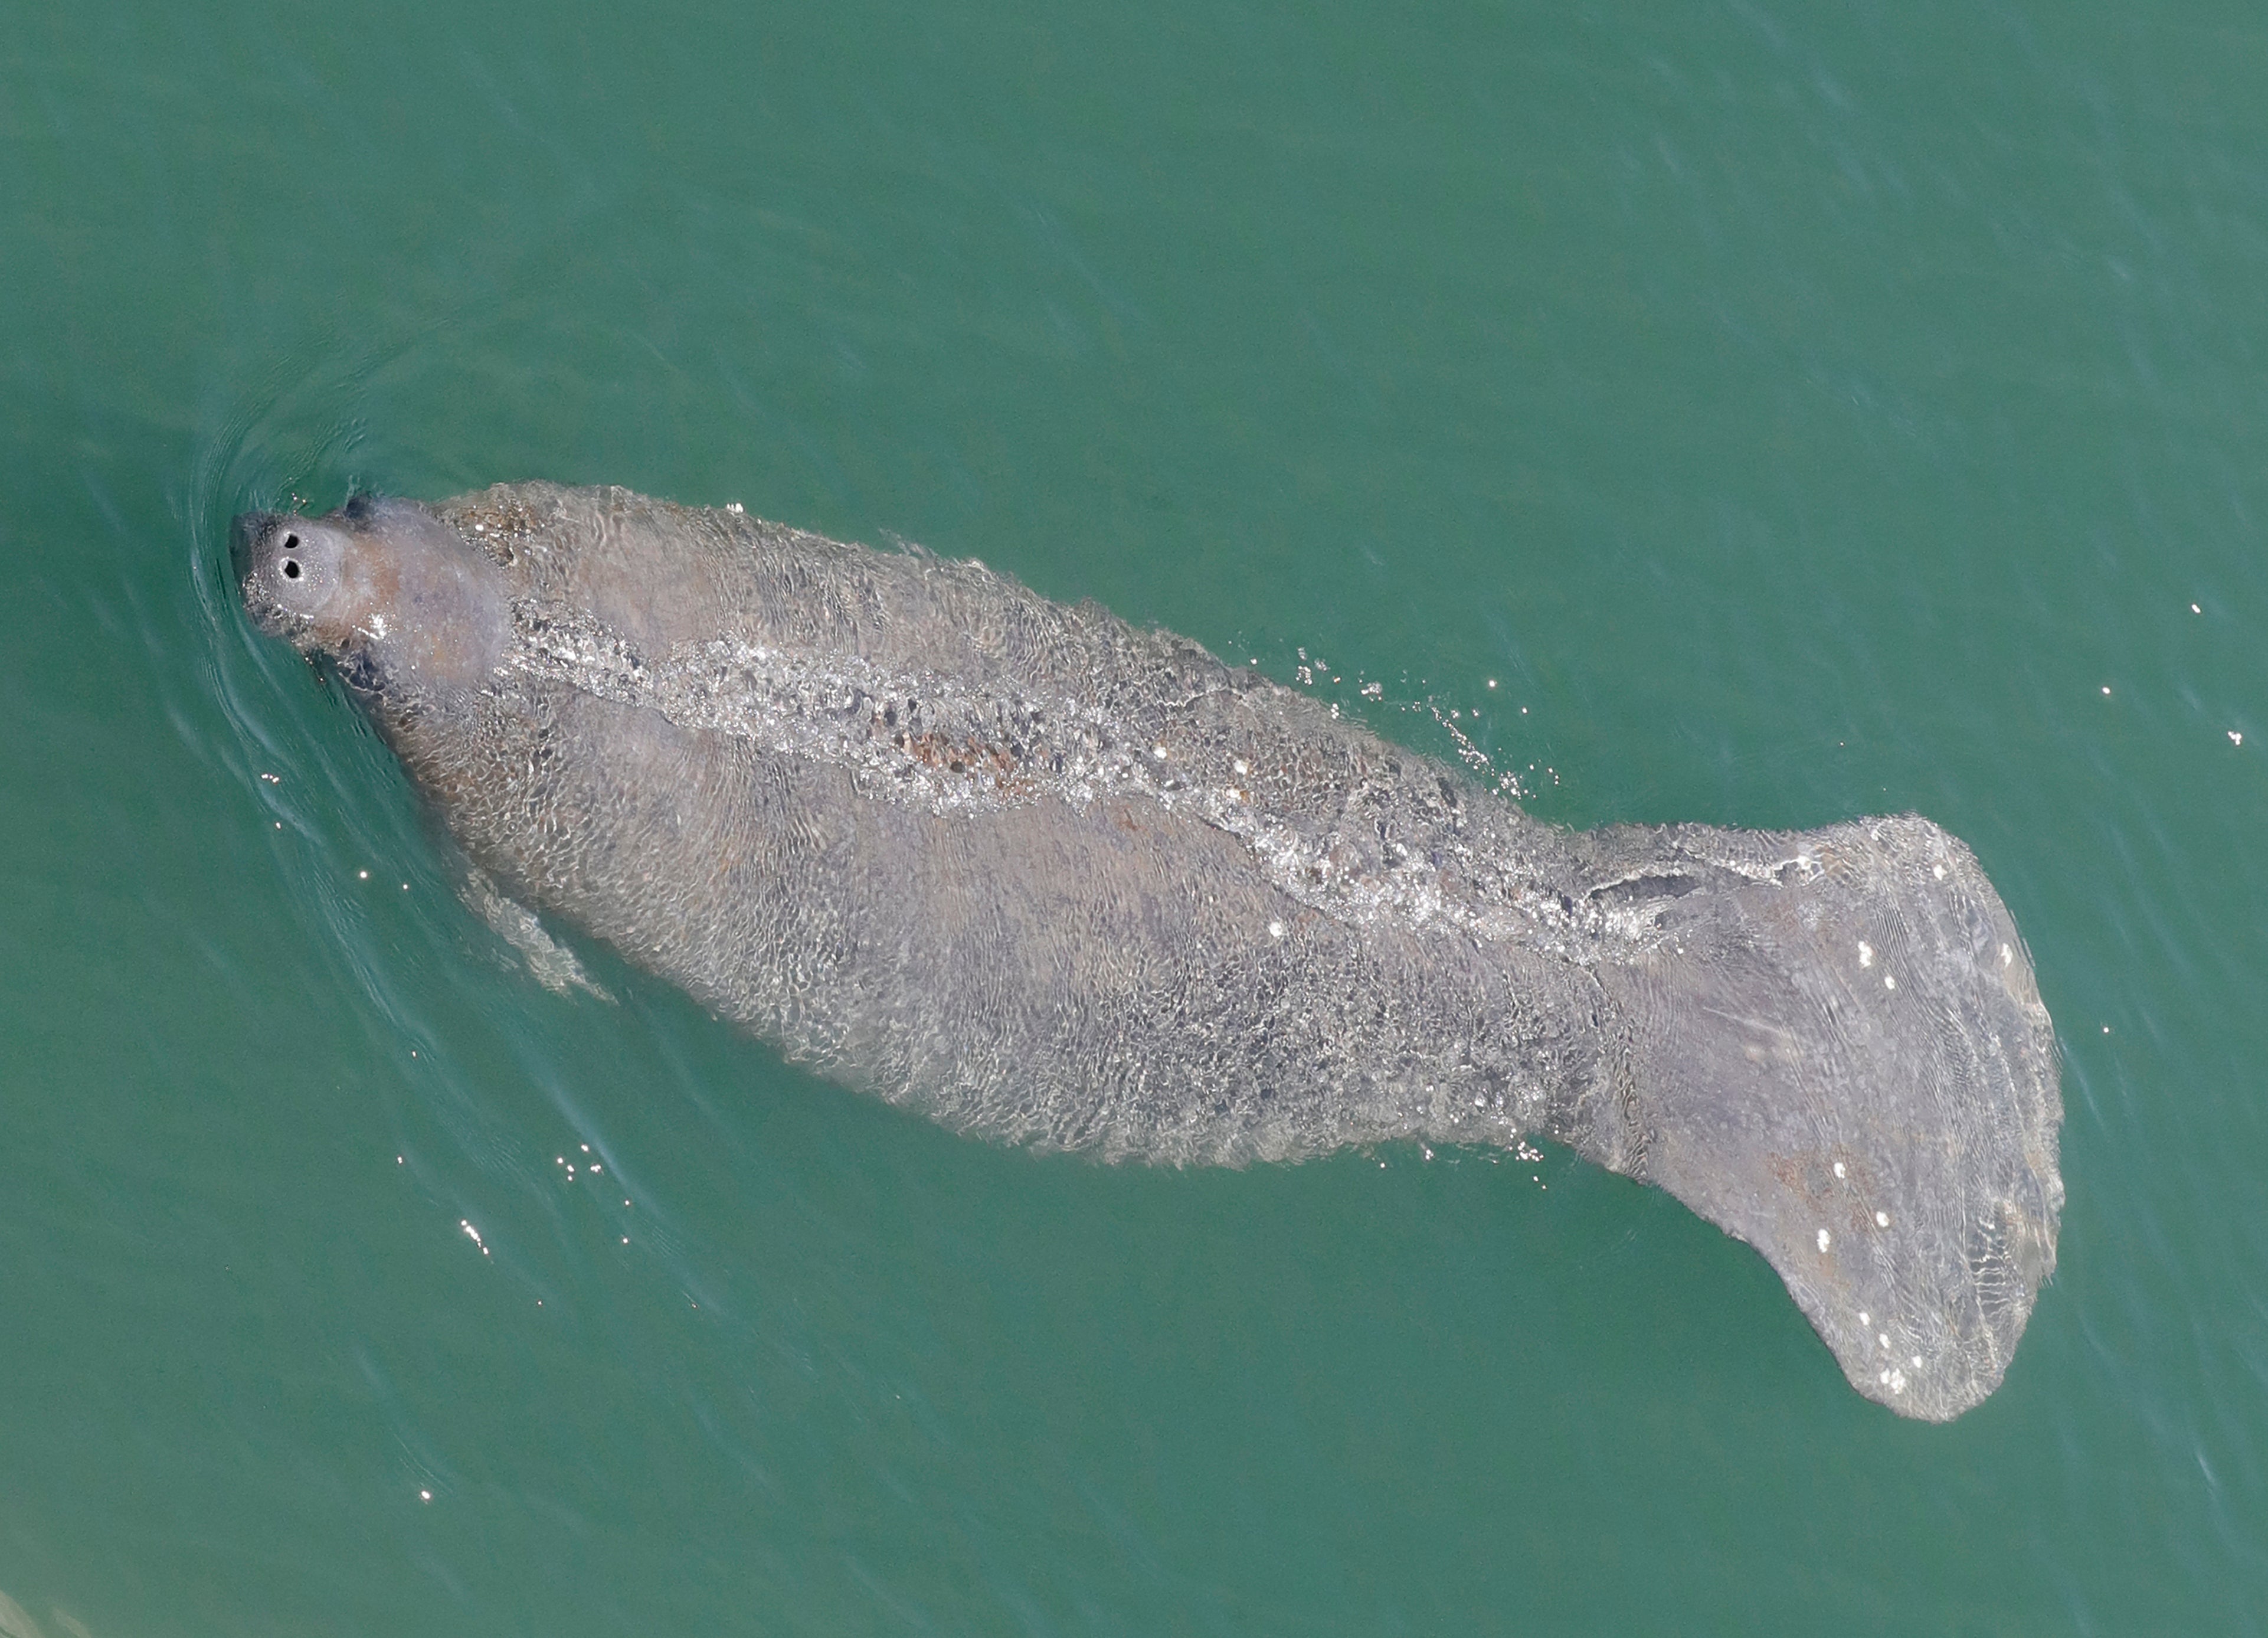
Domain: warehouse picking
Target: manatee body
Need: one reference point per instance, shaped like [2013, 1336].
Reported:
[1059, 882]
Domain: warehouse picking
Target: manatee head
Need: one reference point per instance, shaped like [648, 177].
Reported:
[392, 595]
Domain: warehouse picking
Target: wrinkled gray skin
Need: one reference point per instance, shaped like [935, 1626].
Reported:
[1062, 883]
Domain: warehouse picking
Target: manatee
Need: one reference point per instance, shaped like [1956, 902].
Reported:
[1057, 882]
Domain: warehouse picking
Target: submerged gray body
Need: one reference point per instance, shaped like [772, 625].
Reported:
[1059, 882]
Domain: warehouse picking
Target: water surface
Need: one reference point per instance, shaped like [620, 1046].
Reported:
[1761, 416]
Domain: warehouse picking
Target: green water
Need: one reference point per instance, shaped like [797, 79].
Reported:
[1797, 412]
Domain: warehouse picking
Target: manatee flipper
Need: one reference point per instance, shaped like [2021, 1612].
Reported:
[552, 962]
[1833, 1048]
[14, 1623]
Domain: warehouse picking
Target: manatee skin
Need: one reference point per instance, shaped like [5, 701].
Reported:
[1061, 883]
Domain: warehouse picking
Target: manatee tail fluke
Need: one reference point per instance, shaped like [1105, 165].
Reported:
[1832, 1046]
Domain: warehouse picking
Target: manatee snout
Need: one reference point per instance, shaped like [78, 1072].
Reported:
[292, 570]
[382, 586]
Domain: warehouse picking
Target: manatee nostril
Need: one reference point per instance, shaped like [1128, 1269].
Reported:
[290, 568]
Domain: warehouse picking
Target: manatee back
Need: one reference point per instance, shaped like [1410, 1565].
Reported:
[1055, 880]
